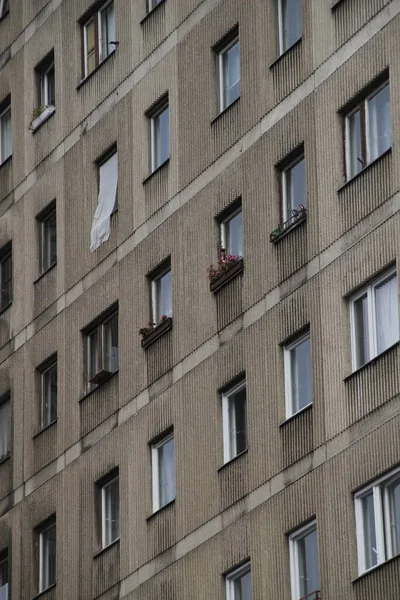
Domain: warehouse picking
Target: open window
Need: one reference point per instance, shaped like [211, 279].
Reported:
[98, 37]
[107, 199]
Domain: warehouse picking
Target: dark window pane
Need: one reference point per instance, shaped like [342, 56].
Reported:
[361, 330]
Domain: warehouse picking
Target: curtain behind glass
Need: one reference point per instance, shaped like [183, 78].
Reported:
[387, 319]
[164, 304]
[380, 130]
[234, 231]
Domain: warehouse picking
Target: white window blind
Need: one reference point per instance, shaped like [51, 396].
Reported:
[107, 196]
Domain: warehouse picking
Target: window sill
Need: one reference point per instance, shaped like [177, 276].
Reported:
[151, 12]
[274, 239]
[225, 277]
[232, 460]
[6, 307]
[5, 458]
[157, 332]
[41, 594]
[103, 550]
[42, 118]
[85, 79]
[373, 569]
[45, 272]
[296, 414]
[360, 173]
[153, 173]
[160, 510]
[7, 160]
[287, 51]
[38, 433]
[100, 385]
[225, 110]
[371, 362]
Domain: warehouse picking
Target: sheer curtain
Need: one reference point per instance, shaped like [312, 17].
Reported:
[107, 197]
[387, 319]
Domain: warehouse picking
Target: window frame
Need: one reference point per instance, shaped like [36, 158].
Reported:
[43, 219]
[6, 254]
[298, 158]
[161, 107]
[227, 217]
[41, 531]
[294, 538]
[44, 85]
[4, 399]
[102, 374]
[236, 574]
[49, 365]
[158, 275]
[371, 310]
[365, 142]
[222, 50]
[229, 453]
[5, 560]
[384, 550]
[94, 17]
[287, 350]
[281, 45]
[103, 485]
[155, 470]
[6, 108]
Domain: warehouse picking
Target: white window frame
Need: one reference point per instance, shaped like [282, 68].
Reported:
[103, 512]
[294, 556]
[362, 106]
[153, 133]
[154, 292]
[44, 85]
[2, 114]
[224, 225]
[155, 468]
[285, 171]
[233, 576]
[369, 290]
[4, 8]
[229, 452]
[382, 520]
[221, 71]
[101, 349]
[43, 374]
[41, 556]
[96, 18]
[288, 374]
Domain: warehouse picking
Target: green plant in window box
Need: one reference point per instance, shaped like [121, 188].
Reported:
[225, 262]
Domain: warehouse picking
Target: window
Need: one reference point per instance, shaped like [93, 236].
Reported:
[232, 232]
[289, 23]
[102, 349]
[163, 465]
[304, 565]
[48, 394]
[5, 276]
[378, 521]
[368, 130]
[99, 37]
[294, 187]
[107, 200]
[298, 379]
[47, 555]
[229, 73]
[374, 319]
[153, 3]
[4, 8]
[234, 419]
[238, 583]
[5, 132]
[159, 132]
[5, 426]
[161, 294]
[4, 575]
[110, 511]
[46, 81]
[48, 237]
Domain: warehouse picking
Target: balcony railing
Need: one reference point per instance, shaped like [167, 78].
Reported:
[298, 215]
[313, 596]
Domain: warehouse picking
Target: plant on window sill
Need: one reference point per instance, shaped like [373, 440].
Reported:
[40, 114]
[298, 216]
[153, 331]
[227, 267]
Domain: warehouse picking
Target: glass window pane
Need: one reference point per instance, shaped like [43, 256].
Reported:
[231, 74]
[166, 472]
[93, 353]
[111, 344]
[355, 157]
[292, 25]
[48, 559]
[387, 319]
[164, 296]
[5, 136]
[308, 563]
[3, 574]
[238, 422]
[51, 96]
[90, 47]
[111, 512]
[161, 138]
[393, 492]
[245, 587]
[107, 30]
[301, 378]
[380, 130]
[370, 550]
[49, 395]
[295, 187]
[5, 429]
[234, 235]
[361, 331]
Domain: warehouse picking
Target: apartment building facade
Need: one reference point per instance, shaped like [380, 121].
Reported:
[170, 429]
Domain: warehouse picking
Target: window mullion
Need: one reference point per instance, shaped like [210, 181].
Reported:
[379, 525]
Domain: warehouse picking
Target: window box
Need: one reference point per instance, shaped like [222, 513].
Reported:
[298, 216]
[152, 332]
[228, 267]
[44, 114]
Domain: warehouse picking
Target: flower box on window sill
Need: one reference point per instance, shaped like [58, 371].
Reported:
[44, 114]
[232, 271]
[298, 216]
[151, 333]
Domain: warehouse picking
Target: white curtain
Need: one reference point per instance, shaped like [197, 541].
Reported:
[387, 319]
[107, 196]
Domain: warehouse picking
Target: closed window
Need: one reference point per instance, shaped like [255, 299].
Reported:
[99, 37]
[4, 8]
[152, 4]
[232, 232]
[368, 130]
[304, 564]
[159, 134]
[163, 466]
[298, 379]
[234, 418]
[238, 583]
[47, 222]
[374, 319]
[4, 575]
[229, 73]
[161, 294]
[110, 511]
[378, 521]
[46, 79]
[5, 426]
[289, 23]
[5, 276]
[5, 132]
[102, 349]
[294, 187]
[47, 555]
[48, 394]
[107, 200]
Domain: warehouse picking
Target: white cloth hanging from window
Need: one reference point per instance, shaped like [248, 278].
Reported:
[107, 197]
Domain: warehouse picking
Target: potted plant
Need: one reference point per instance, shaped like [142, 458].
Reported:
[227, 267]
[152, 331]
